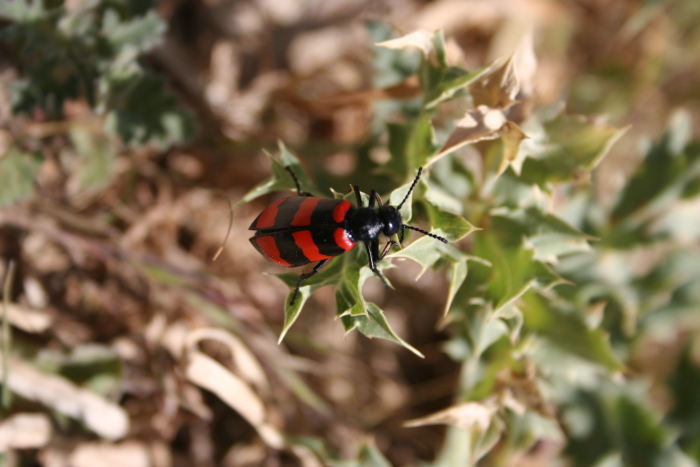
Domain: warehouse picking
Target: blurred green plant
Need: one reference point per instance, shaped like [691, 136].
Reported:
[549, 314]
[91, 52]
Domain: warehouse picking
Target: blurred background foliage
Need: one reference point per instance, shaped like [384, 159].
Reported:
[561, 159]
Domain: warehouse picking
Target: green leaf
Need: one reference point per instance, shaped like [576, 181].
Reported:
[397, 196]
[684, 384]
[659, 181]
[281, 179]
[92, 365]
[447, 86]
[371, 456]
[96, 154]
[368, 456]
[549, 236]
[18, 171]
[329, 275]
[410, 144]
[390, 66]
[567, 330]
[21, 10]
[563, 148]
[619, 421]
[425, 251]
[457, 275]
[140, 111]
[514, 269]
[348, 294]
[438, 80]
[141, 33]
[372, 324]
[449, 225]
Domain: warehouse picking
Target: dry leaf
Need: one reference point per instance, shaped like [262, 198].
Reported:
[496, 89]
[243, 359]
[470, 415]
[480, 124]
[209, 374]
[421, 39]
[129, 454]
[520, 391]
[103, 417]
[26, 319]
[25, 431]
[512, 136]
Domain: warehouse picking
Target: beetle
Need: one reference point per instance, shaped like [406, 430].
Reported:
[303, 229]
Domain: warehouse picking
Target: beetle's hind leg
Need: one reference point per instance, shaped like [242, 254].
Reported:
[305, 276]
[296, 182]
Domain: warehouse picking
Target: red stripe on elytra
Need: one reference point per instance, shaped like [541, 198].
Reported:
[303, 214]
[267, 217]
[342, 239]
[269, 248]
[307, 245]
[340, 210]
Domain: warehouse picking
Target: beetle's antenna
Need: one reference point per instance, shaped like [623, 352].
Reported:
[436, 237]
[230, 226]
[296, 181]
[413, 185]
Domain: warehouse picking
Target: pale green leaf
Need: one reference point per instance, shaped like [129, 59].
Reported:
[374, 324]
[567, 330]
[18, 171]
[96, 154]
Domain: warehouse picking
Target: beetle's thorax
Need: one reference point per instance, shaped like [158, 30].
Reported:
[367, 223]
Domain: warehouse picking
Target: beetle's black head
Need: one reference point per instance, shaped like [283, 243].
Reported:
[391, 218]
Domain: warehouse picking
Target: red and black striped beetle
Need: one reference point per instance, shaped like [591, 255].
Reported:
[302, 229]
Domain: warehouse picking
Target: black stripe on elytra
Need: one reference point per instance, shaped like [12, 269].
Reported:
[286, 212]
[324, 238]
[323, 214]
[289, 251]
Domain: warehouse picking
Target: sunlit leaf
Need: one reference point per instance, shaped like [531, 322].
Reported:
[142, 33]
[421, 39]
[482, 123]
[470, 415]
[457, 275]
[498, 87]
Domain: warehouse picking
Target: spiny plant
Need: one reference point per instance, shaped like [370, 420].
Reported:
[544, 306]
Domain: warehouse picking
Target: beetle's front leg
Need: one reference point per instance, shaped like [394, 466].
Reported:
[372, 247]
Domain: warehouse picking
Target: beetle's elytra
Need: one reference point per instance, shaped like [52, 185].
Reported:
[304, 229]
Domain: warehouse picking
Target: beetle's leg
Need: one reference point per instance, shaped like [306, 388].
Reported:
[296, 182]
[374, 198]
[386, 249]
[372, 247]
[358, 196]
[305, 276]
